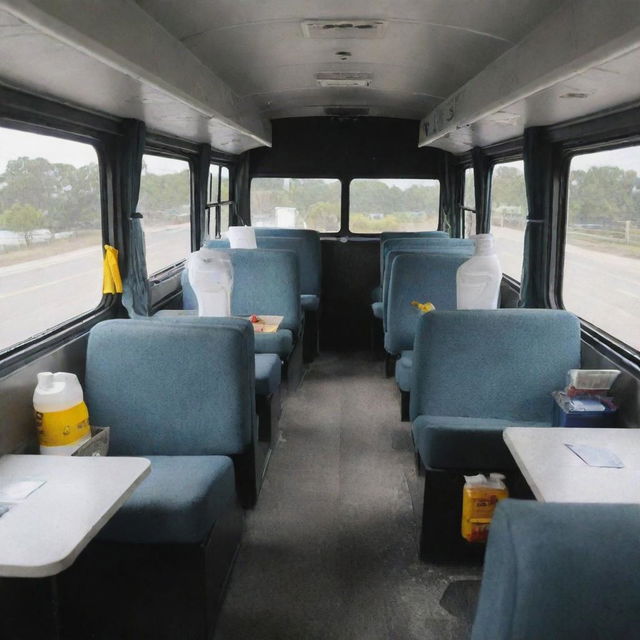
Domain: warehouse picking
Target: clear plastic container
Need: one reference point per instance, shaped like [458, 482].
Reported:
[211, 278]
[478, 279]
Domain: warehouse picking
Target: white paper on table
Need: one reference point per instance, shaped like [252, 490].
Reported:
[596, 457]
[18, 490]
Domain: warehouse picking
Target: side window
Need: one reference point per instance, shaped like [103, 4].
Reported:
[601, 279]
[509, 215]
[393, 205]
[165, 203]
[50, 233]
[218, 213]
[469, 202]
[301, 203]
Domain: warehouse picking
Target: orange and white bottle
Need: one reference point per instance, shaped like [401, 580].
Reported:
[479, 499]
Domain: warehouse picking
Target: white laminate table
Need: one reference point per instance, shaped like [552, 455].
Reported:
[556, 474]
[43, 534]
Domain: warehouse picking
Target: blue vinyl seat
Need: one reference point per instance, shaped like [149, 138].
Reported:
[376, 293]
[163, 394]
[475, 372]
[566, 571]
[265, 282]
[424, 278]
[174, 541]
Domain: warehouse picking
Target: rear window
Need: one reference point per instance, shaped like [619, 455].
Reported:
[296, 203]
[393, 205]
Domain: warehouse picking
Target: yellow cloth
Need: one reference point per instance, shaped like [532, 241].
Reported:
[425, 307]
[111, 280]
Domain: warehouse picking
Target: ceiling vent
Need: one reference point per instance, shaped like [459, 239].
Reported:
[346, 112]
[329, 29]
[343, 79]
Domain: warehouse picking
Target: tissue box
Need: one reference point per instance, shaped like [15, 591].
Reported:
[566, 416]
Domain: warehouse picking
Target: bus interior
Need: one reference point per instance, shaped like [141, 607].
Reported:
[305, 480]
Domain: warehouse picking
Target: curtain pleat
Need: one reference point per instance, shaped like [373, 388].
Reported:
[241, 191]
[538, 172]
[135, 297]
[448, 218]
[482, 189]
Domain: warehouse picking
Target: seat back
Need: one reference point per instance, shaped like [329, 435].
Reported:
[451, 248]
[169, 387]
[306, 248]
[500, 363]
[265, 282]
[392, 235]
[421, 277]
[428, 244]
[560, 571]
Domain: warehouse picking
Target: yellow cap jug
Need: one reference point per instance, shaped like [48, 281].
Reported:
[62, 418]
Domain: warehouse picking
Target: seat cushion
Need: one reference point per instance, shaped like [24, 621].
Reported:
[452, 442]
[268, 373]
[280, 342]
[309, 302]
[403, 370]
[178, 502]
[376, 307]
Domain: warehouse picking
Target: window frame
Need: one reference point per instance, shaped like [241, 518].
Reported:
[596, 336]
[39, 116]
[218, 203]
[372, 234]
[296, 176]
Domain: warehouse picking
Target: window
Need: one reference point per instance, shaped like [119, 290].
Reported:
[218, 193]
[165, 203]
[509, 215]
[393, 205]
[300, 203]
[50, 233]
[469, 202]
[602, 254]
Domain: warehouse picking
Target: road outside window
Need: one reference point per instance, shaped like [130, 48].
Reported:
[469, 202]
[509, 215]
[602, 253]
[50, 233]
[165, 203]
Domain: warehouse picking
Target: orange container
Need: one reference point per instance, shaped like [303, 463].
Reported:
[480, 496]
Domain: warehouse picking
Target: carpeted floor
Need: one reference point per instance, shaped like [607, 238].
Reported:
[330, 551]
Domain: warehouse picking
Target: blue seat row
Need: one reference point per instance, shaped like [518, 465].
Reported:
[475, 373]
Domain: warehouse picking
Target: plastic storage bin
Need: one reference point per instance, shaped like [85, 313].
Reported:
[564, 416]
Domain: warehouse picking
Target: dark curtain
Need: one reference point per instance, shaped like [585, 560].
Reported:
[482, 189]
[538, 173]
[449, 209]
[199, 229]
[242, 213]
[135, 283]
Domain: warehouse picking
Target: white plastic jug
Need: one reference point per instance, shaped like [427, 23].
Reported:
[211, 277]
[62, 417]
[242, 238]
[478, 279]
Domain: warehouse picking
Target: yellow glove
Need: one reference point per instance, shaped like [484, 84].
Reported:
[424, 307]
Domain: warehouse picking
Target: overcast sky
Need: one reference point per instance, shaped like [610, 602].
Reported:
[14, 144]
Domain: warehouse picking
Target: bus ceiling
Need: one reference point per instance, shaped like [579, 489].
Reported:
[472, 73]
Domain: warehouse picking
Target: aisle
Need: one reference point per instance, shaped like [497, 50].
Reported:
[330, 552]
